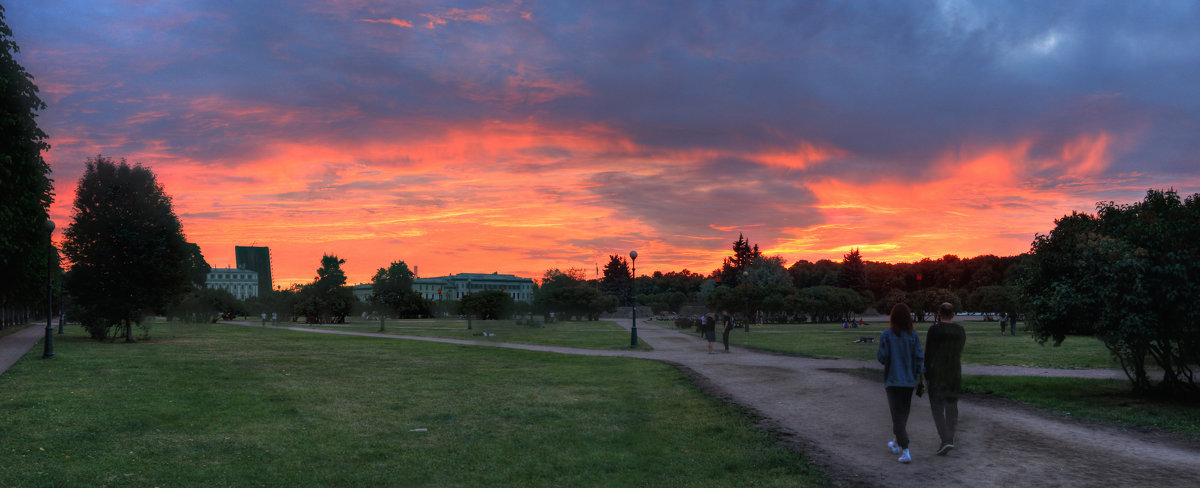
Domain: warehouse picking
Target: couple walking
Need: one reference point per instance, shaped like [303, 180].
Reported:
[906, 367]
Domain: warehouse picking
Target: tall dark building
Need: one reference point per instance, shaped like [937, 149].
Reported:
[257, 259]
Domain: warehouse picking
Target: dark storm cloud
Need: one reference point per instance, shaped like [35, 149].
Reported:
[710, 199]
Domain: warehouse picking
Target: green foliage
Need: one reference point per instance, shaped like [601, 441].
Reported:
[128, 255]
[26, 190]
[198, 268]
[393, 292]
[327, 299]
[207, 304]
[992, 299]
[618, 280]
[744, 256]
[567, 295]
[829, 303]
[925, 301]
[852, 273]
[1127, 275]
[487, 305]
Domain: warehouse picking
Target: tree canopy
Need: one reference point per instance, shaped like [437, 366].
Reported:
[126, 247]
[567, 294]
[617, 280]
[393, 292]
[1128, 275]
[327, 299]
[26, 190]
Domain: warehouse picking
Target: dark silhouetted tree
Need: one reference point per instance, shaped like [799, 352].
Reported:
[327, 299]
[25, 189]
[393, 291]
[128, 255]
[617, 280]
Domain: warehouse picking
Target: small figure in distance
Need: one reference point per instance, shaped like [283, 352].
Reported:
[710, 331]
[903, 364]
[943, 368]
[728, 328]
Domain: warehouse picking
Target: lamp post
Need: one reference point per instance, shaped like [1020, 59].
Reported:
[49, 342]
[746, 282]
[633, 294]
[469, 305]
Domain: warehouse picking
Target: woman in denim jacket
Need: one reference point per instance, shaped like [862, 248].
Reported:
[903, 364]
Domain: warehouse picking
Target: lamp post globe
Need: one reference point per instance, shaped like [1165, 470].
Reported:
[633, 297]
[48, 351]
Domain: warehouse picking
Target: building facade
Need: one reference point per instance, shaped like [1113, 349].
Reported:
[257, 259]
[242, 283]
[455, 286]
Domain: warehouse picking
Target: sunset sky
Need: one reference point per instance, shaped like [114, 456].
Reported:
[520, 136]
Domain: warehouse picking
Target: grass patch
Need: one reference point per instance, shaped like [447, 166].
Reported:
[219, 405]
[603, 334]
[1105, 401]
[984, 345]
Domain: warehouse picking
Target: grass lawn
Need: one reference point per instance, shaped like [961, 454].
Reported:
[221, 405]
[603, 334]
[1104, 401]
[984, 345]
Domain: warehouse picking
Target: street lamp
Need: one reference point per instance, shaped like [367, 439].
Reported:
[49, 346]
[746, 283]
[469, 305]
[633, 289]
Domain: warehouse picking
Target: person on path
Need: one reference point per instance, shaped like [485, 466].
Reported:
[903, 364]
[943, 369]
[710, 331]
[728, 328]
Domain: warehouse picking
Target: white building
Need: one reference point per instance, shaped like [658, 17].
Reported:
[454, 287]
[242, 283]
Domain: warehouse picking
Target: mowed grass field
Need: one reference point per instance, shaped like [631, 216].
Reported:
[224, 405]
[601, 334]
[984, 344]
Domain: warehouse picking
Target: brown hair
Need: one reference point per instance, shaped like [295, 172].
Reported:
[945, 311]
[900, 320]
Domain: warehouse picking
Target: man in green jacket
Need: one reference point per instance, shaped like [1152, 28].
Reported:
[943, 368]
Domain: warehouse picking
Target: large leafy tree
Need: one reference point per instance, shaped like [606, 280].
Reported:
[853, 273]
[744, 256]
[617, 280]
[567, 294]
[25, 189]
[487, 305]
[126, 247]
[1129, 276]
[393, 291]
[327, 299]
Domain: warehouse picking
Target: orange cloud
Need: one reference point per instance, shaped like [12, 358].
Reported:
[973, 201]
[392, 21]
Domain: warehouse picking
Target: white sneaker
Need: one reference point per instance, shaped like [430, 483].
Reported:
[895, 448]
[906, 457]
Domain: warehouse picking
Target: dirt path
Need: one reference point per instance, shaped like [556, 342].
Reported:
[841, 422]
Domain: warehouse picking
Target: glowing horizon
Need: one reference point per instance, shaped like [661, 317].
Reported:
[514, 137]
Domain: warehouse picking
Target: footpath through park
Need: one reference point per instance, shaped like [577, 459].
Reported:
[841, 422]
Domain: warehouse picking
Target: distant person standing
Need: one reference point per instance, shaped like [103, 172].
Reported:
[1003, 320]
[903, 364]
[943, 368]
[1012, 324]
[710, 331]
[728, 328]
